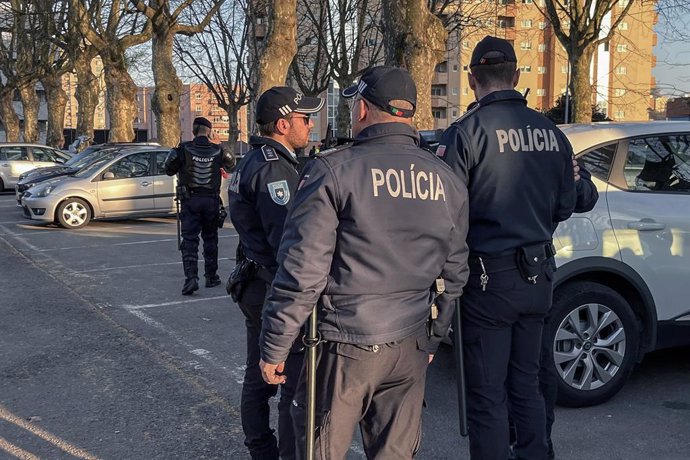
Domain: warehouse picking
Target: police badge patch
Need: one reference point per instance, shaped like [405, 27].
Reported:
[280, 193]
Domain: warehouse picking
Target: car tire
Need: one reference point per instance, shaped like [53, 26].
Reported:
[73, 213]
[2, 186]
[594, 341]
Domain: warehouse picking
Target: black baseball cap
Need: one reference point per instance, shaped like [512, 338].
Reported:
[280, 101]
[202, 121]
[382, 84]
[492, 50]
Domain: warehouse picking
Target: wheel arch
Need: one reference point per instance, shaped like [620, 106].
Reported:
[624, 280]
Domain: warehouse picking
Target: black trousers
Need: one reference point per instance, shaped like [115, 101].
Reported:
[199, 213]
[380, 388]
[502, 329]
[254, 408]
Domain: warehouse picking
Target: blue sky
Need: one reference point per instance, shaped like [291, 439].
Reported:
[672, 71]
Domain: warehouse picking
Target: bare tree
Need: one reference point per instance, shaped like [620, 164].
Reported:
[415, 39]
[166, 23]
[310, 68]
[578, 25]
[217, 57]
[281, 44]
[113, 29]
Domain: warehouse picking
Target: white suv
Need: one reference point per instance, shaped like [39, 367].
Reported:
[622, 267]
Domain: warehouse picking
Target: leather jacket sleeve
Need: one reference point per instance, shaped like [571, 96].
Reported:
[587, 194]
[229, 159]
[173, 162]
[568, 196]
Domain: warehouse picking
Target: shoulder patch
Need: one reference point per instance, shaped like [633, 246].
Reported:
[334, 149]
[280, 192]
[269, 153]
[441, 151]
[473, 108]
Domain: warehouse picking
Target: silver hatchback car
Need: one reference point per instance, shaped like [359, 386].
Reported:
[18, 158]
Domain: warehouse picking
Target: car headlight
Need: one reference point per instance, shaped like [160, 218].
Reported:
[40, 192]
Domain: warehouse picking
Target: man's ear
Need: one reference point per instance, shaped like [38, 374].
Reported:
[282, 125]
[473, 81]
[363, 109]
[516, 78]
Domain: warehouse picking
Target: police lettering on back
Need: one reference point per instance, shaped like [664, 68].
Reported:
[415, 185]
[527, 140]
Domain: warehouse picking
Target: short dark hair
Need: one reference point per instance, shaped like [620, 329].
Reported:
[268, 129]
[502, 73]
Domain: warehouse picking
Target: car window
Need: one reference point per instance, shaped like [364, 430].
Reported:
[14, 154]
[598, 161]
[137, 165]
[45, 155]
[160, 163]
[658, 163]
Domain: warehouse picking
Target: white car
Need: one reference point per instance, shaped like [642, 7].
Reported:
[622, 267]
[19, 158]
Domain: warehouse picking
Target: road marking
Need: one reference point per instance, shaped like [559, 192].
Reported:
[127, 267]
[45, 435]
[16, 451]
[122, 244]
[19, 238]
[175, 302]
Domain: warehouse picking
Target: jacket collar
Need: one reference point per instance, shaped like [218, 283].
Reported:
[395, 133]
[258, 141]
[501, 96]
[201, 140]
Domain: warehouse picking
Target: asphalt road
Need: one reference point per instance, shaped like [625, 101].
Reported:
[101, 357]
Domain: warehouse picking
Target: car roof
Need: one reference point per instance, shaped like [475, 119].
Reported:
[25, 144]
[584, 136]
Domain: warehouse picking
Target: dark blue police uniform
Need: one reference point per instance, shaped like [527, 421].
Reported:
[518, 168]
[262, 190]
[198, 164]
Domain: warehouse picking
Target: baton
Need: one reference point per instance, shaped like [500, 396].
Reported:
[311, 341]
[177, 216]
[460, 368]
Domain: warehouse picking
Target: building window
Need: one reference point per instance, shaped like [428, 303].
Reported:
[454, 112]
[313, 136]
[198, 109]
[371, 42]
[542, 25]
[526, 23]
[542, 47]
[541, 69]
[438, 90]
[541, 92]
[623, 26]
[442, 67]
[566, 25]
[465, 68]
[439, 112]
[623, 3]
[197, 96]
[454, 91]
[620, 114]
[622, 48]
[526, 1]
[526, 69]
[526, 45]
[564, 69]
[465, 91]
[455, 67]
[622, 70]
[466, 44]
[619, 92]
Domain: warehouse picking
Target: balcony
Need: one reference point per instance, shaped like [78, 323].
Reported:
[439, 101]
[440, 78]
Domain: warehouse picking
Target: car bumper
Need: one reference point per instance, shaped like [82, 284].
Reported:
[38, 208]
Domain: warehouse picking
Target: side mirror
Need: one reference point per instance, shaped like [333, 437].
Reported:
[108, 175]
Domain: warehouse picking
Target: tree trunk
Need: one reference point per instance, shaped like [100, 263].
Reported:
[581, 85]
[233, 127]
[281, 45]
[9, 117]
[343, 117]
[86, 95]
[166, 96]
[57, 101]
[121, 103]
[425, 46]
[30, 104]
[394, 32]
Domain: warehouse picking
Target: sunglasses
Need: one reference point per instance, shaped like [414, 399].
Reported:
[305, 118]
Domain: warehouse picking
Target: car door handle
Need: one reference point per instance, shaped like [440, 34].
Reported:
[646, 225]
[145, 184]
[5, 165]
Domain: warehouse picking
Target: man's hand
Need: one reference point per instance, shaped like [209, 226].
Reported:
[431, 358]
[576, 170]
[270, 372]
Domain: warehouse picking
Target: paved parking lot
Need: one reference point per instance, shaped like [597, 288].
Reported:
[101, 357]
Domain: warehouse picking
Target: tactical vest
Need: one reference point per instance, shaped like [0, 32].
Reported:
[201, 167]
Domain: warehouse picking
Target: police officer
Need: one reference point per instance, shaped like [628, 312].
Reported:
[359, 243]
[262, 190]
[518, 168]
[198, 164]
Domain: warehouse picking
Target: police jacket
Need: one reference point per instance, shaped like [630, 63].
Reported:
[587, 194]
[518, 168]
[262, 189]
[198, 164]
[373, 225]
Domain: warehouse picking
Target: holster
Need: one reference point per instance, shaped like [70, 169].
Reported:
[222, 214]
[245, 271]
[182, 192]
[530, 260]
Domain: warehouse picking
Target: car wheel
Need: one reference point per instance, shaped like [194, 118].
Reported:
[2, 185]
[594, 340]
[73, 213]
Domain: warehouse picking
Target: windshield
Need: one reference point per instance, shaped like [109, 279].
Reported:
[99, 160]
[86, 158]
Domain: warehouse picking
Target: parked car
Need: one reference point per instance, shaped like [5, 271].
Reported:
[622, 267]
[122, 183]
[18, 158]
[86, 156]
